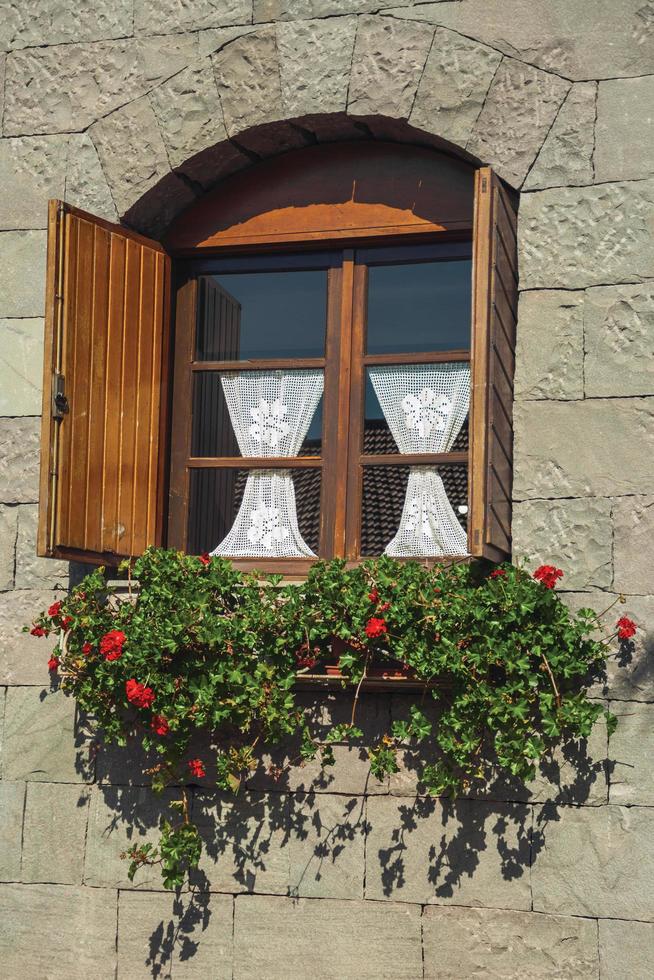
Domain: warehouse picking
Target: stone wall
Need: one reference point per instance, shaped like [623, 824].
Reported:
[132, 109]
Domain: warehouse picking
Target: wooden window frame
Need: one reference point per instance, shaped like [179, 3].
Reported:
[344, 363]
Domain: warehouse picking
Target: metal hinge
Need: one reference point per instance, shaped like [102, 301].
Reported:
[484, 184]
[59, 401]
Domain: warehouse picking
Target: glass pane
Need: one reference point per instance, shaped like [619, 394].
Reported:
[419, 307]
[250, 315]
[384, 491]
[212, 431]
[377, 436]
[215, 497]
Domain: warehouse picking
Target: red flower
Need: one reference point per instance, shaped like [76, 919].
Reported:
[548, 574]
[111, 645]
[626, 628]
[205, 558]
[54, 609]
[385, 606]
[197, 768]
[66, 621]
[375, 627]
[139, 694]
[373, 595]
[497, 573]
[38, 631]
[53, 663]
[86, 649]
[304, 657]
[159, 725]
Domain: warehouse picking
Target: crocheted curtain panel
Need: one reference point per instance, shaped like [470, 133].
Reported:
[425, 407]
[271, 412]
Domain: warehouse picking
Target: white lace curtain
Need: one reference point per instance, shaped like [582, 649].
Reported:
[271, 412]
[425, 407]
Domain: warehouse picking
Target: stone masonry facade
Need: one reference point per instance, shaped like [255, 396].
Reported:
[132, 109]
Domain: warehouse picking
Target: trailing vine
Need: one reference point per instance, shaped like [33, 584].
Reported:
[198, 645]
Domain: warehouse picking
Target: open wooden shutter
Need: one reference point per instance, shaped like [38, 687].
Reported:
[495, 296]
[102, 458]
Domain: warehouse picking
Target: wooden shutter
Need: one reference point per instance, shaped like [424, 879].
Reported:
[102, 453]
[495, 294]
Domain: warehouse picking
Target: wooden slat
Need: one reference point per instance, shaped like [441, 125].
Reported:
[414, 459]
[255, 462]
[494, 317]
[269, 364]
[423, 357]
[106, 496]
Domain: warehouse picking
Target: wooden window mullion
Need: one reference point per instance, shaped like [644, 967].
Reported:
[354, 487]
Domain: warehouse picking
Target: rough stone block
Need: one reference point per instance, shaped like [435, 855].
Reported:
[22, 260]
[389, 58]
[12, 803]
[44, 22]
[86, 184]
[314, 64]
[574, 535]
[248, 80]
[130, 176]
[587, 236]
[33, 572]
[189, 938]
[327, 846]
[21, 371]
[42, 742]
[626, 949]
[601, 459]
[245, 842]
[118, 818]
[497, 944]
[20, 446]
[351, 774]
[550, 345]
[619, 340]
[465, 852]
[278, 938]
[564, 37]
[168, 16]
[209, 41]
[566, 157]
[8, 533]
[633, 521]
[64, 88]
[32, 169]
[57, 931]
[189, 114]
[594, 861]
[519, 110]
[625, 129]
[457, 76]
[54, 833]
[23, 658]
[630, 753]
[630, 664]
[266, 10]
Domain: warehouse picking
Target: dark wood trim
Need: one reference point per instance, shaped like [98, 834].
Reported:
[182, 415]
[263, 364]
[415, 459]
[254, 462]
[165, 406]
[354, 484]
[422, 357]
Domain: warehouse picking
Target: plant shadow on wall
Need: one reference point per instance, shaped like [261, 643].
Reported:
[261, 788]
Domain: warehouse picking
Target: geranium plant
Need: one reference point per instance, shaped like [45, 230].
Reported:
[197, 645]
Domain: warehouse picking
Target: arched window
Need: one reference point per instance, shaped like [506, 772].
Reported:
[316, 363]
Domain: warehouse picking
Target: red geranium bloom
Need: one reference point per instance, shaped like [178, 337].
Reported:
[373, 595]
[138, 694]
[548, 575]
[385, 606]
[86, 649]
[111, 645]
[304, 657]
[375, 627]
[159, 725]
[66, 621]
[626, 628]
[53, 663]
[54, 609]
[497, 573]
[197, 768]
[205, 558]
[38, 631]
